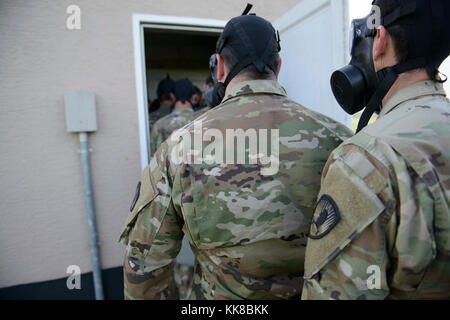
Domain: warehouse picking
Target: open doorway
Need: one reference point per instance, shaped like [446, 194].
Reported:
[156, 27]
[180, 46]
[177, 53]
[177, 46]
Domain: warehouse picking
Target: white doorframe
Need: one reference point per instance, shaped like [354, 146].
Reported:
[141, 21]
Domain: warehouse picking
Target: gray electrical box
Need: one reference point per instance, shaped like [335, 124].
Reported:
[80, 111]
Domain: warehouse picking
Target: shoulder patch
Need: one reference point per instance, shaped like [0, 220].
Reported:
[348, 195]
[326, 217]
[146, 192]
[136, 196]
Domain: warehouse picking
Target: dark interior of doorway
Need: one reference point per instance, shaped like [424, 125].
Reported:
[181, 54]
[178, 53]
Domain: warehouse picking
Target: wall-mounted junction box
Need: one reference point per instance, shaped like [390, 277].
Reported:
[80, 111]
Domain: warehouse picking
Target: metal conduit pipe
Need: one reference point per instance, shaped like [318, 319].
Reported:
[92, 227]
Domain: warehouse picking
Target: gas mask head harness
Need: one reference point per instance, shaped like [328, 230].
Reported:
[165, 87]
[424, 23]
[251, 40]
[184, 90]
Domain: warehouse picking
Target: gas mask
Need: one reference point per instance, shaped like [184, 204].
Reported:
[354, 85]
[208, 97]
[213, 68]
[218, 91]
[358, 86]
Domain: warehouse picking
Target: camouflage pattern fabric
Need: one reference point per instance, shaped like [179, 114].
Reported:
[391, 185]
[247, 229]
[161, 130]
[183, 277]
[163, 111]
[164, 127]
[201, 112]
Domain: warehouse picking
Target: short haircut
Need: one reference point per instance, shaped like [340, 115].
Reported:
[396, 32]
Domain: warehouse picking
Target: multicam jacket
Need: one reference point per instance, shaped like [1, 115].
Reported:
[382, 226]
[201, 112]
[246, 223]
[164, 110]
[164, 127]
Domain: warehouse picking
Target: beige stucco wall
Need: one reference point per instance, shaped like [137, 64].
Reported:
[42, 209]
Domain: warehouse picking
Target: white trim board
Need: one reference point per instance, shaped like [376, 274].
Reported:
[139, 22]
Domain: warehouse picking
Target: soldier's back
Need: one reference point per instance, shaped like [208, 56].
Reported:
[247, 222]
[165, 126]
[163, 110]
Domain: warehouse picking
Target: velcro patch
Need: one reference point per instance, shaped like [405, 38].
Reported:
[360, 164]
[326, 217]
[358, 207]
[146, 192]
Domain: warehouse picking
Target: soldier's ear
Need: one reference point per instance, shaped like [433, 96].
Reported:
[221, 76]
[380, 47]
[279, 67]
[172, 97]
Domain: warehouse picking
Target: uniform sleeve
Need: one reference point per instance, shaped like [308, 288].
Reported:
[356, 273]
[154, 138]
[387, 248]
[153, 234]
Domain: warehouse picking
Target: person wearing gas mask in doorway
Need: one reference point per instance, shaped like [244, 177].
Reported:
[181, 115]
[245, 207]
[208, 89]
[163, 105]
[381, 227]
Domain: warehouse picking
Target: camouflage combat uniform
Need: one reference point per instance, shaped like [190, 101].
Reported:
[161, 130]
[390, 185]
[247, 230]
[164, 127]
[163, 111]
[201, 112]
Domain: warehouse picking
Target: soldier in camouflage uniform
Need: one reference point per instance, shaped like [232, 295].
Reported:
[381, 229]
[163, 104]
[180, 116]
[246, 226]
[162, 129]
[201, 112]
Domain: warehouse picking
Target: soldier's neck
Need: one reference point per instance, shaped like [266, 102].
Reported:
[180, 105]
[239, 79]
[405, 80]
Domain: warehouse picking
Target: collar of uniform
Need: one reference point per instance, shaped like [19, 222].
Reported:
[183, 110]
[417, 90]
[255, 87]
[165, 107]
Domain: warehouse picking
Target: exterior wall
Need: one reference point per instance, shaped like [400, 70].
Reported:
[43, 225]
